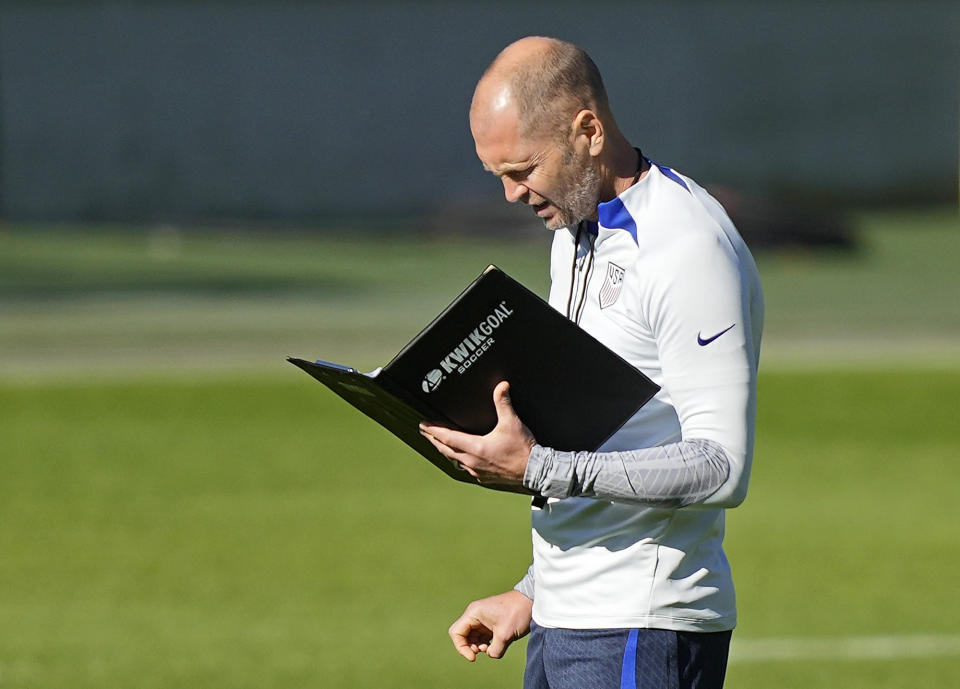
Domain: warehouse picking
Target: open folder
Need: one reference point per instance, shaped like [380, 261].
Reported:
[570, 390]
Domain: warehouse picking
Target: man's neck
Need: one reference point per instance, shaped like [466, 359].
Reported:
[626, 167]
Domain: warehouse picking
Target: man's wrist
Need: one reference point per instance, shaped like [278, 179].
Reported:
[534, 468]
[549, 473]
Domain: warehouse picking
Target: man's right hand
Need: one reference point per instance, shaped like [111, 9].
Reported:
[491, 624]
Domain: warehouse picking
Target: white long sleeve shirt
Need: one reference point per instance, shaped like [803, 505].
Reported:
[631, 535]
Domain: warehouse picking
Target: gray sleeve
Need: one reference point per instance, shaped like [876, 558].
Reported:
[525, 585]
[674, 475]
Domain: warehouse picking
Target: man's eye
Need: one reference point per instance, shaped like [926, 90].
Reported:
[519, 175]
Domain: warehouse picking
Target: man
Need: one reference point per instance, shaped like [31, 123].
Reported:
[629, 585]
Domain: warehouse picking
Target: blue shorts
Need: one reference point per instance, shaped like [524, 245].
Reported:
[625, 659]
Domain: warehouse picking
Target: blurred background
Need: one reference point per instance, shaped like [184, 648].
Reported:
[191, 191]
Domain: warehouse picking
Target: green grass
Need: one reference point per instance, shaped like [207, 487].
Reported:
[230, 534]
[259, 534]
[863, 466]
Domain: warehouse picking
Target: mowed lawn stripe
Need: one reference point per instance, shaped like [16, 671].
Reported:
[892, 647]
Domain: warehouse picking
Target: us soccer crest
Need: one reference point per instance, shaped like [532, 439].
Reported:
[612, 285]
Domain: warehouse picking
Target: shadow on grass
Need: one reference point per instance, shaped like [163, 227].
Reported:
[36, 283]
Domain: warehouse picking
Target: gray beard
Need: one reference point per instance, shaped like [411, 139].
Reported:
[581, 203]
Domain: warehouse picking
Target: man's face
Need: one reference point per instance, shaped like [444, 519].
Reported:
[560, 186]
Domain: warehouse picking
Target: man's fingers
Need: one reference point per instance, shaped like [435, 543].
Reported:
[497, 647]
[440, 438]
[457, 440]
[462, 459]
[444, 449]
[469, 637]
[490, 625]
[463, 646]
[467, 652]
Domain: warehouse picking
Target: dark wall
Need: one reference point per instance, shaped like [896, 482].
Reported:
[257, 110]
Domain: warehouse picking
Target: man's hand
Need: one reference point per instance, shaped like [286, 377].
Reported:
[490, 625]
[502, 453]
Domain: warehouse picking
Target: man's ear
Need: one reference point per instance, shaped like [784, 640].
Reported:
[588, 129]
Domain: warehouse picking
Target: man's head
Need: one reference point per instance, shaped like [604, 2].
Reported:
[540, 120]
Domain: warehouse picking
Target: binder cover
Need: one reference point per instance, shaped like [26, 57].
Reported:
[568, 388]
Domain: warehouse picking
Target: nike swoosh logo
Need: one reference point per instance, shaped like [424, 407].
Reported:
[703, 342]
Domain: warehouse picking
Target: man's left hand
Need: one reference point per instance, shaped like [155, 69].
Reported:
[500, 456]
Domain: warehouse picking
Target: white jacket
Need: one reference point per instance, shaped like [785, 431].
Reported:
[632, 537]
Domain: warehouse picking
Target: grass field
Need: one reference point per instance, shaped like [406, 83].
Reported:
[179, 507]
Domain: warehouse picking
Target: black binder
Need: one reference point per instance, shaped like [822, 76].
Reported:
[568, 388]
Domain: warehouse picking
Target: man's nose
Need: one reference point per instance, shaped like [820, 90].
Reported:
[513, 191]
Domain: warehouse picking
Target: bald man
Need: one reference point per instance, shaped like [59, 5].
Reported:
[629, 585]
